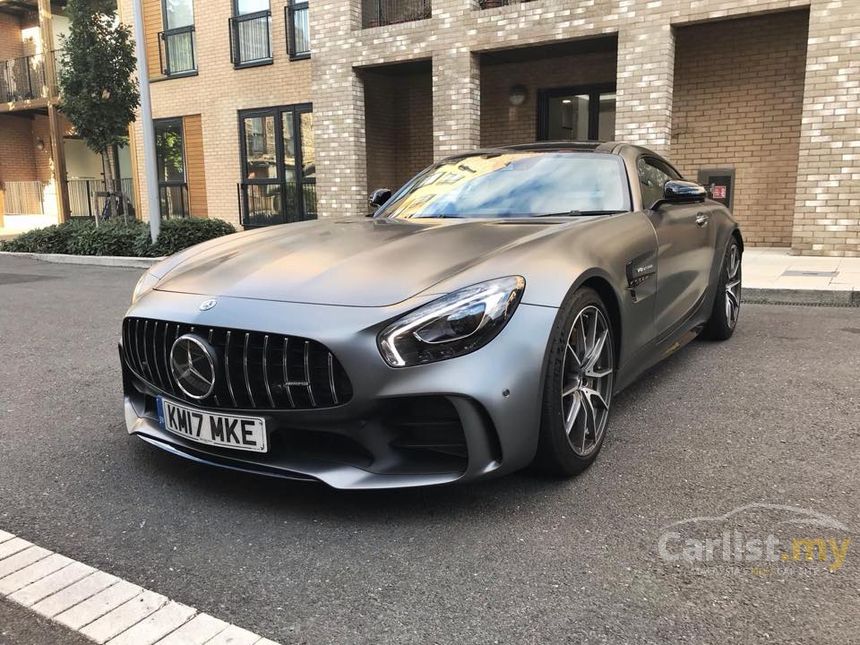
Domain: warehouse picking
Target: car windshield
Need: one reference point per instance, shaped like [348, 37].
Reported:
[514, 184]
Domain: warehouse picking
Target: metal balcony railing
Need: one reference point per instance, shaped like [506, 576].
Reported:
[23, 79]
[176, 51]
[88, 197]
[250, 38]
[298, 39]
[376, 13]
[173, 198]
[276, 203]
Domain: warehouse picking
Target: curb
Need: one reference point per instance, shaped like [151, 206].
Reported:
[90, 260]
[820, 297]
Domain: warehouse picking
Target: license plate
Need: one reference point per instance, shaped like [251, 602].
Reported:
[213, 428]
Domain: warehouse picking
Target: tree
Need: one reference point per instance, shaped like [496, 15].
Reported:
[98, 89]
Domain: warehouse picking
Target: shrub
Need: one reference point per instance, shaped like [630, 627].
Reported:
[178, 234]
[116, 237]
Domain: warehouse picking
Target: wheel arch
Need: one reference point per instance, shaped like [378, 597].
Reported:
[613, 306]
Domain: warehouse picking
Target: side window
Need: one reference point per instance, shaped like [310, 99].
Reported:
[652, 175]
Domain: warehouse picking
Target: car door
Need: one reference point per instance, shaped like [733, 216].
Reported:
[685, 240]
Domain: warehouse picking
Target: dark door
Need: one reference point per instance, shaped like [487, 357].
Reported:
[685, 239]
[577, 113]
[278, 165]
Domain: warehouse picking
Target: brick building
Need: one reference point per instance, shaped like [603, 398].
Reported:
[47, 174]
[257, 123]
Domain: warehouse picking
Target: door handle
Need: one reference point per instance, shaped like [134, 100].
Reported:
[702, 219]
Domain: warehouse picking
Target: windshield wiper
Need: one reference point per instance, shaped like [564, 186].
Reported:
[578, 213]
[441, 216]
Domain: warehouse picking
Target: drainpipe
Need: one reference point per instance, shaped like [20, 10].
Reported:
[150, 170]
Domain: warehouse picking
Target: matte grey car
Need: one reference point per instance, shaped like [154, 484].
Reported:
[479, 322]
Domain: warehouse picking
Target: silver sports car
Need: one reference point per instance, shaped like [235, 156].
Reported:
[479, 322]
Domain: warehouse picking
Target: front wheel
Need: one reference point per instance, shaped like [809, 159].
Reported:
[727, 303]
[578, 386]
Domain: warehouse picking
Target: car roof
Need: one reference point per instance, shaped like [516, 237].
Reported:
[619, 148]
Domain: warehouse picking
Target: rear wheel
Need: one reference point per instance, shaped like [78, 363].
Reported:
[727, 303]
[578, 386]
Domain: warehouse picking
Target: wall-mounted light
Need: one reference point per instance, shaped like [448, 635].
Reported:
[518, 95]
[40, 145]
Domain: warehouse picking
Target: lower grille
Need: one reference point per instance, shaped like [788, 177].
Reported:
[255, 370]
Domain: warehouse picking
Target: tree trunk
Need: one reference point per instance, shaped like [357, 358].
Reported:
[110, 182]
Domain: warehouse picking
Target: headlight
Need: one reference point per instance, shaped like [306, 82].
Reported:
[146, 284]
[453, 325]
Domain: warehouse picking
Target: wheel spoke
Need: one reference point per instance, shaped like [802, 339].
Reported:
[570, 389]
[573, 413]
[596, 351]
[591, 394]
[572, 352]
[589, 422]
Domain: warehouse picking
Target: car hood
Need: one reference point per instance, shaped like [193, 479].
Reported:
[348, 261]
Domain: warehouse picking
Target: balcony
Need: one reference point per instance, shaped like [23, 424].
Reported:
[23, 79]
[265, 204]
[176, 51]
[376, 13]
[250, 39]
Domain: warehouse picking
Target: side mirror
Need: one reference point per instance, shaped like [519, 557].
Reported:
[379, 196]
[676, 191]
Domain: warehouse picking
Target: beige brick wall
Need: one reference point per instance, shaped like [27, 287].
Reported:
[827, 203]
[738, 98]
[399, 133]
[218, 92]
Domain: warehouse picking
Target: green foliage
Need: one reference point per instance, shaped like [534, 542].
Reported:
[96, 75]
[116, 237]
[178, 234]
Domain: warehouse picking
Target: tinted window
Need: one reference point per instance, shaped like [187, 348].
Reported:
[515, 184]
[652, 175]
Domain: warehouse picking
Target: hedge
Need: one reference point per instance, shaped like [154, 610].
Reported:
[116, 237]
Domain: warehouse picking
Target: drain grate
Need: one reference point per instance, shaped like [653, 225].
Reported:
[811, 274]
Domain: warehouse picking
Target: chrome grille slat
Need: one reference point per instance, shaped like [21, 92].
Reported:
[309, 375]
[245, 370]
[227, 370]
[330, 362]
[287, 372]
[266, 370]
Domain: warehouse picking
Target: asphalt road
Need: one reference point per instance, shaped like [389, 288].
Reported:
[771, 416]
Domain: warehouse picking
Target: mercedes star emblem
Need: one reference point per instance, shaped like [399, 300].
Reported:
[192, 363]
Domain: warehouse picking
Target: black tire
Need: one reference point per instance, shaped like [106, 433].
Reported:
[566, 371]
[727, 302]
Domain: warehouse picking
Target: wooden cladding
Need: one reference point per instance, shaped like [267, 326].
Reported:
[195, 169]
[152, 25]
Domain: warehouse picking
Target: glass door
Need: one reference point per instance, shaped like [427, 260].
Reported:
[278, 166]
[577, 114]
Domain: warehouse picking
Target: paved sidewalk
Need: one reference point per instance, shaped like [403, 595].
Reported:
[774, 275]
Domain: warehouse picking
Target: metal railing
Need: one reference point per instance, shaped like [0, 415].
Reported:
[24, 197]
[299, 39]
[23, 79]
[376, 13]
[176, 51]
[250, 38]
[88, 197]
[173, 200]
[276, 203]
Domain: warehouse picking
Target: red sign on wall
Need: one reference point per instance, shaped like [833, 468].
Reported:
[718, 192]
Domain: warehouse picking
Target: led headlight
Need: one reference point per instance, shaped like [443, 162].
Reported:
[453, 325]
[146, 284]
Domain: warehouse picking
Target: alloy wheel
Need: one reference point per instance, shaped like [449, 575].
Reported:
[587, 373]
[733, 286]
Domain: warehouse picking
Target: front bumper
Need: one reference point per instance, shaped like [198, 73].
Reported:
[456, 420]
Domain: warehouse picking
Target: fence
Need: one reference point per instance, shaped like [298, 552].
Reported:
[276, 203]
[23, 79]
[375, 13]
[250, 40]
[87, 197]
[24, 198]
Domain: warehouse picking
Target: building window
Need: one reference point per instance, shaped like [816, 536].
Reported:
[299, 40]
[577, 114]
[250, 33]
[170, 162]
[278, 165]
[176, 47]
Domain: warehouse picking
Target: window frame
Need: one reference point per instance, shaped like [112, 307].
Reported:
[297, 176]
[593, 91]
[234, 36]
[655, 162]
[172, 183]
[290, 10]
[167, 31]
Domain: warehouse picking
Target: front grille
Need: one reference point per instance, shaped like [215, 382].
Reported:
[255, 370]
